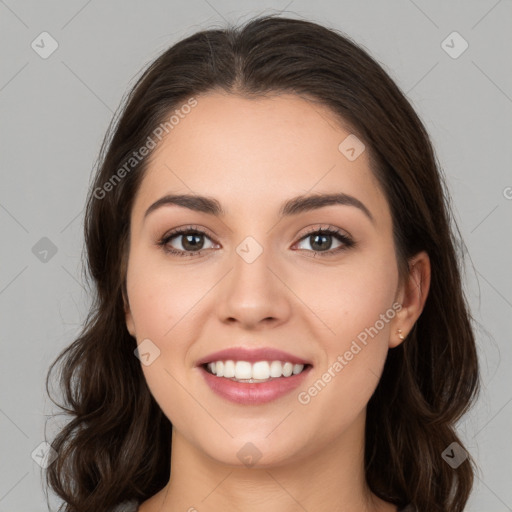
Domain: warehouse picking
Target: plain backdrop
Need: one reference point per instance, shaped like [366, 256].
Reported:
[54, 113]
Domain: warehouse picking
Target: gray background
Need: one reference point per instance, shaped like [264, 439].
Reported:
[55, 112]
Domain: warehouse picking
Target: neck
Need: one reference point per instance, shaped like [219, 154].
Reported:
[328, 479]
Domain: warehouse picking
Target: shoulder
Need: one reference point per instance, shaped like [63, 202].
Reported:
[133, 506]
[127, 506]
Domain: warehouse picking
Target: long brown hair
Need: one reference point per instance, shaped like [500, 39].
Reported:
[117, 443]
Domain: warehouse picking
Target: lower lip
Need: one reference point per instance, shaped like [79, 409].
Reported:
[253, 393]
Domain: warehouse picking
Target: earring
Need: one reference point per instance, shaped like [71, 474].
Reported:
[400, 335]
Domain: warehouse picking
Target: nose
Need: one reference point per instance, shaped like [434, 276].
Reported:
[254, 294]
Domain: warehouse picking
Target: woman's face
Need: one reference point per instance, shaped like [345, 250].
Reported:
[262, 279]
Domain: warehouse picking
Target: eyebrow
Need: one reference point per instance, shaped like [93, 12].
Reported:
[292, 206]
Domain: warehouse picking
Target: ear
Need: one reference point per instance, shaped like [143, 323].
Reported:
[130, 325]
[412, 295]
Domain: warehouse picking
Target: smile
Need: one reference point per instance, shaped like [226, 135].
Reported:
[244, 383]
[260, 371]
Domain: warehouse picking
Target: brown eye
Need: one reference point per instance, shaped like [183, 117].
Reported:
[321, 241]
[184, 242]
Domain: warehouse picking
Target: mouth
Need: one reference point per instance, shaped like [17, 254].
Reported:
[253, 376]
[254, 372]
[254, 382]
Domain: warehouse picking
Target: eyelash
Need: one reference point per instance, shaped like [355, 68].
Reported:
[347, 242]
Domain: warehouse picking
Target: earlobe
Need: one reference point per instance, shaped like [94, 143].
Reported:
[414, 295]
[128, 317]
[129, 324]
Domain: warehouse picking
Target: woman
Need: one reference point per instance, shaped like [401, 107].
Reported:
[279, 320]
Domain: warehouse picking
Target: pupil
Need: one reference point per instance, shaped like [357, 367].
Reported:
[191, 242]
[315, 242]
[188, 245]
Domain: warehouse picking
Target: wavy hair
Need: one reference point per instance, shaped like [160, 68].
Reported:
[117, 441]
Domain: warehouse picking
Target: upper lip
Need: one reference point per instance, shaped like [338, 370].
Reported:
[251, 355]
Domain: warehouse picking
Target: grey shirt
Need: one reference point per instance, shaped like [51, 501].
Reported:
[127, 506]
[133, 506]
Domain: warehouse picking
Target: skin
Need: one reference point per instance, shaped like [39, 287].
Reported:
[232, 148]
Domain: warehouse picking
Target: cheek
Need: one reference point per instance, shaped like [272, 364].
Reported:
[354, 305]
[162, 307]
[160, 296]
[351, 298]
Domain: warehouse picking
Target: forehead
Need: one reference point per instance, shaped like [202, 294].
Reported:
[255, 153]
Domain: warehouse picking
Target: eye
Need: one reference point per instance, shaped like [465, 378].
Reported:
[321, 240]
[192, 241]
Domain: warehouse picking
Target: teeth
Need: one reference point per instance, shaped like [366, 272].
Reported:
[229, 369]
[259, 371]
[243, 370]
[287, 369]
[276, 369]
